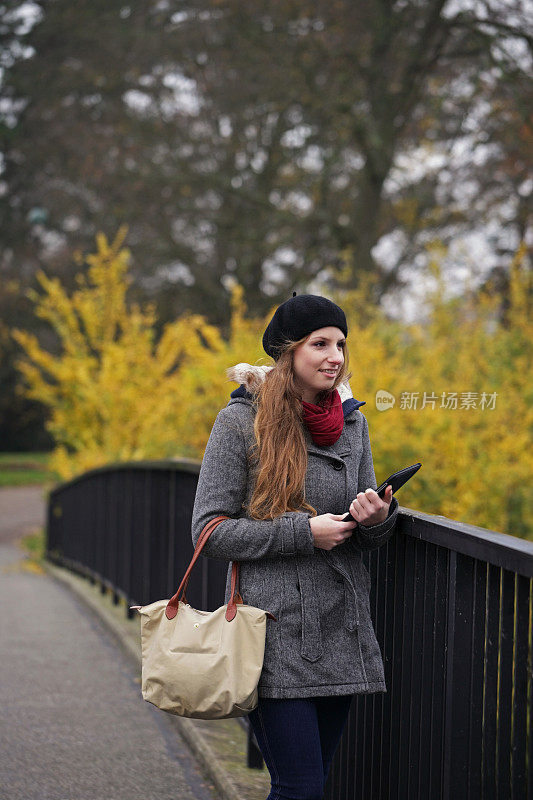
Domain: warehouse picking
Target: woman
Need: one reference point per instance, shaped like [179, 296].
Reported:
[286, 459]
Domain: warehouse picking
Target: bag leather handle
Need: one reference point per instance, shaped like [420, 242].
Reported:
[205, 534]
[173, 604]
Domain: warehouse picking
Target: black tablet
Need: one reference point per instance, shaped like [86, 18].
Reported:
[396, 480]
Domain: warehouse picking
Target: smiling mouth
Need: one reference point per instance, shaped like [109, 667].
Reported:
[330, 372]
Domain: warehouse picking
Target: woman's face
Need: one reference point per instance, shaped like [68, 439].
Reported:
[317, 361]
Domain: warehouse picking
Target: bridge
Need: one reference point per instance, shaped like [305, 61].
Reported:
[452, 605]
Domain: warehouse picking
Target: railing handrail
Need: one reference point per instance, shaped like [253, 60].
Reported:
[185, 464]
[501, 549]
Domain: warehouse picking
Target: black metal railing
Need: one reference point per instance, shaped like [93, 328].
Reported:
[452, 605]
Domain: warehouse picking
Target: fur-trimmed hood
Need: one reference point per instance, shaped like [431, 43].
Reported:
[250, 378]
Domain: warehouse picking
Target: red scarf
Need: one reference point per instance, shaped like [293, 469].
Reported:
[325, 422]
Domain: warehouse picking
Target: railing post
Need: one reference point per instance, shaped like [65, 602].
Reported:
[254, 758]
[448, 694]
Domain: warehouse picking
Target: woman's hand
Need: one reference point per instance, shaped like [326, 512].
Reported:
[328, 530]
[369, 509]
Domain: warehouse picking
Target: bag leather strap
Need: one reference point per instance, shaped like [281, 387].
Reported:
[235, 598]
[205, 534]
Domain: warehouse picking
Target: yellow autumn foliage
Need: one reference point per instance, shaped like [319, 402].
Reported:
[116, 394]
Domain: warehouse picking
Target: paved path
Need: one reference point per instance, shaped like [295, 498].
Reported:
[73, 724]
[21, 509]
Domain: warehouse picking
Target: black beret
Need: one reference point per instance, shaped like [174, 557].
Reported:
[299, 316]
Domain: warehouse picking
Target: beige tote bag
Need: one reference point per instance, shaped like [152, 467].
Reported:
[202, 664]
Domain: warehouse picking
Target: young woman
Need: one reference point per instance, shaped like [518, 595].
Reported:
[286, 459]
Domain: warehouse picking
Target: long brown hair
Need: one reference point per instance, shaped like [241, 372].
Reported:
[279, 453]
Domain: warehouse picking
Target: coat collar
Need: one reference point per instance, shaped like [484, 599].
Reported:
[250, 378]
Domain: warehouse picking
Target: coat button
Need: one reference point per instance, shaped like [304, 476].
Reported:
[337, 465]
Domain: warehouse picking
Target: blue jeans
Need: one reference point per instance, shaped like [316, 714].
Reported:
[298, 739]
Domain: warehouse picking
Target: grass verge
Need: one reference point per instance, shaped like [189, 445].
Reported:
[25, 469]
[34, 544]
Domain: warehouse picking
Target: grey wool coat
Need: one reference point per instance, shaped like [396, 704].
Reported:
[323, 641]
